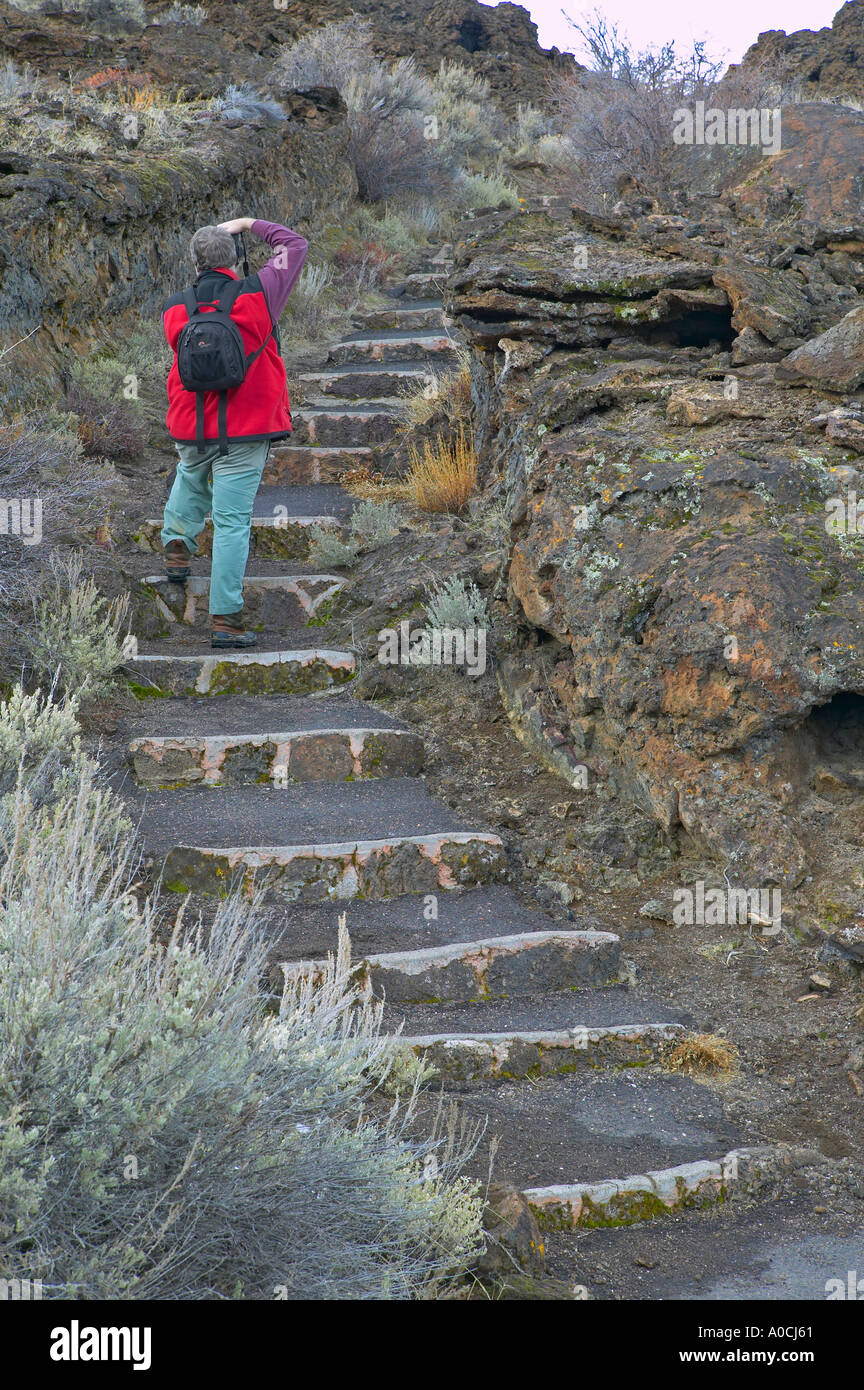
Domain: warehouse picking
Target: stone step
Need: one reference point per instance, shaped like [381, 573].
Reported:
[345, 426]
[299, 464]
[422, 282]
[346, 869]
[437, 919]
[374, 838]
[493, 967]
[645, 1196]
[393, 347]
[291, 672]
[552, 1134]
[275, 536]
[559, 1011]
[280, 500]
[360, 381]
[402, 315]
[463, 1058]
[237, 714]
[434, 265]
[268, 600]
[285, 758]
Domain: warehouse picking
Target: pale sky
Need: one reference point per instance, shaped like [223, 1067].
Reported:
[730, 26]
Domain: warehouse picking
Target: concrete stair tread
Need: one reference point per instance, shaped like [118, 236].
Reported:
[277, 531]
[420, 279]
[287, 757]
[356, 422]
[275, 603]
[407, 305]
[276, 579]
[187, 642]
[310, 464]
[395, 335]
[591, 1126]
[309, 814]
[240, 714]
[375, 405]
[260, 567]
[399, 924]
[192, 668]
[403, 313]
[411, 367]
[384, 409]
[496, 967]
[325, 451]
[308, 500]
[550, 1012]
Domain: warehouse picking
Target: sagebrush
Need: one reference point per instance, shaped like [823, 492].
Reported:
[162, 1136]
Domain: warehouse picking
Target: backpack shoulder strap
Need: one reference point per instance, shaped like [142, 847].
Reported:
[252, 356]
[226, 304]
[190, 301]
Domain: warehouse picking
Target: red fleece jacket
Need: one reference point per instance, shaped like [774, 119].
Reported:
[259, 408]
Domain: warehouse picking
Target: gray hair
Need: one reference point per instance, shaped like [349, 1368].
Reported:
[210, 248]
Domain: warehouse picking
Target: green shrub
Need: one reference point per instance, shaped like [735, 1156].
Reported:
[163, 1137]
[387, 107]
[182, 14]
[374, 522]
[34, 728]
[14, 84]
[42, 465]
[103, 393]
[243, 103]
[455, 603]
[327, 57]
[78, 633]
[316, 311]
[486, 191]
[399, 230]
[327, 548]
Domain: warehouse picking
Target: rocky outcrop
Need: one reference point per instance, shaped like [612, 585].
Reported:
[129, 218]
[499, 43]
[816, 178]
[834, 360]
[672, 577]
[825, 65]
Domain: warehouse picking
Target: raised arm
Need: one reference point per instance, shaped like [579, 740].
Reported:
[279, 276]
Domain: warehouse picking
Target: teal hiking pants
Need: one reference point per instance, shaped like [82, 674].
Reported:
[225, 485]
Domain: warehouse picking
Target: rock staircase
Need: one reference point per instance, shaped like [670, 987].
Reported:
[260, 766]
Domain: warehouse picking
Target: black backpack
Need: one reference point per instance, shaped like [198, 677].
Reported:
[211, 356]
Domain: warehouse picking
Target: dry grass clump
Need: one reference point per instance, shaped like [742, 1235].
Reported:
[444, 476]
[450, 392]
[702, 1054]
[373, 487]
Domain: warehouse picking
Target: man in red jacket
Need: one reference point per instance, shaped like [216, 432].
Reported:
[256, 412]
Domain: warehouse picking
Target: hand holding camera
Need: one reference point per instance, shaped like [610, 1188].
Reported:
[236, 225]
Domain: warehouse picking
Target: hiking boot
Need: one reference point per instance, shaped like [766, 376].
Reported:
[228, 631]
[177, 559]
